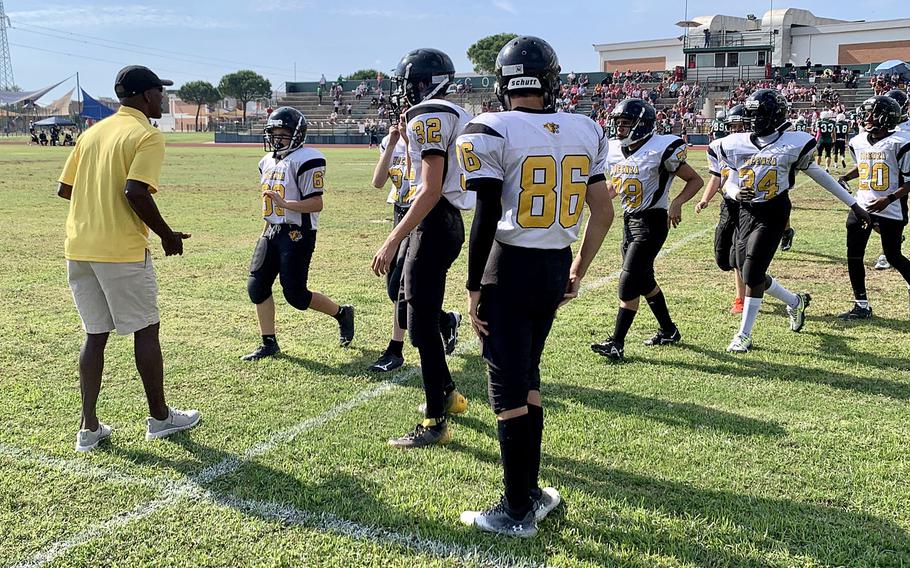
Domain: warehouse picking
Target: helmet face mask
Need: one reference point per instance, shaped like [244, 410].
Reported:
[767, 110]
[879, 115]
[420, 75]
[527, 66]
[285, 131]
[633, 121]
[736, 120]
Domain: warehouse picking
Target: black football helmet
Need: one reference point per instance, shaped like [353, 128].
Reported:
[291, 119]
[902, 100]
[736, 119]
[879, 113]
[421, 74]
[527, 65]
[766, 109]
[642, 115]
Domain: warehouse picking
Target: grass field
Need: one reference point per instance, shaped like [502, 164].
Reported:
[793, 455]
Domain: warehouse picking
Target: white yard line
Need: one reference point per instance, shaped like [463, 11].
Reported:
[208, 474]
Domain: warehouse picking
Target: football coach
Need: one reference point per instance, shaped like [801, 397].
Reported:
[109, 179]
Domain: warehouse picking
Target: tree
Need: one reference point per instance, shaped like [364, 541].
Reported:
[200, 93]
[245, 86]
[362, 74]
[484, 51]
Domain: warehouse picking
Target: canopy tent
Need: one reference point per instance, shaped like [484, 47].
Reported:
[55, 121]
[60, 107]
[893, 66]
[94, 109]
[13, 97]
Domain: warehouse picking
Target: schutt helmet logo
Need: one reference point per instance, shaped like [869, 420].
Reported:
[552, 127]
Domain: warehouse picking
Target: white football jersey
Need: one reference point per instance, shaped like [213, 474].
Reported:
[883, 168]
[545, 160]
[904, 126]
[433, 126]
[643, 179]
[718, 167]
[769, 169]
[401, 191]
[299, 175]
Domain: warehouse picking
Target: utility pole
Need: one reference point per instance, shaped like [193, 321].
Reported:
[6, 63]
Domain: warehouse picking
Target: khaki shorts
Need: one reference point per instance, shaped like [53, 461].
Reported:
[114, 295]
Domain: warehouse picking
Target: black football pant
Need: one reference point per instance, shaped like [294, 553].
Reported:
[891, 231]
[521, 291]
[395, 277]
[284, 251]
[725, 235]
[760, 229]
[644, 235]
[434, 245]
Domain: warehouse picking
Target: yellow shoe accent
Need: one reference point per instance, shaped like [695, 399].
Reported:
[456, 403]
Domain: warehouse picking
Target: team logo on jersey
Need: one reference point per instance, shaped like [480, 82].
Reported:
[552, 127]
[295, 236]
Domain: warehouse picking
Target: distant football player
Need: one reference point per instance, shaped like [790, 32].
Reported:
[824, 133]
[434, 224]
[766, 161]
[533, 170]
[725, 232]
[395, 165]
[841, 134]
[900, 97]
[882, 155]
[641, 167]
[718, 125]
[292, 181]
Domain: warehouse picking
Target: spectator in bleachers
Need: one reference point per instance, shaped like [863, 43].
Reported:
[319, 91]
[348, 108]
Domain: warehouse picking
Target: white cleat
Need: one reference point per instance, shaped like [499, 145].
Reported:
[741, 343]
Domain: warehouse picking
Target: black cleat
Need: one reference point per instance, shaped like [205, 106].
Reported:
[262, 352]
[499, 519]
[449, 331]
[664, 338]
[345, 325]
[610, 349]
[786, 243]
[387, 362]
[857, 312]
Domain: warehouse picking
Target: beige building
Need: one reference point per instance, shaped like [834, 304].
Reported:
[742, 47]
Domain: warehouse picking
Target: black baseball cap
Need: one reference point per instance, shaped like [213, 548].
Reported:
[135, 79]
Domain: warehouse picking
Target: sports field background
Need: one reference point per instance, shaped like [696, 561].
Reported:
[795, 454]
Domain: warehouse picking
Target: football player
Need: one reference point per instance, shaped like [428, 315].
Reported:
[533, 170]
[394, 165]
[824, 133]
[434, 224]
[882, 155]
[725, 232]
[766, 161]
[641, 167]
[292, 181]
[841, 133]
[718, 125]
[901, 98]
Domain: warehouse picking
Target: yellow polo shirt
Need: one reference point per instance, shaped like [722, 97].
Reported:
[101, 226]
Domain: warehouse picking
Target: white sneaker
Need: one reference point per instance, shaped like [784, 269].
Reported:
[741, 344]
[882, 263]
[88, 440]
[177, 421]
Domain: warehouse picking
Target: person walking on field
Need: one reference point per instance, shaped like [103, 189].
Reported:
[108, 179]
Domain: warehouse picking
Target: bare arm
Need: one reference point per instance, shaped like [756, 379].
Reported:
[711, 190]
[65, 191]
[601, 205]
[381, 172]
[140, 200]
[309, 205]
[694, 182]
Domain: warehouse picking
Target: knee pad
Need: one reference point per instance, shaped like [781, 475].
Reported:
[750, 278]
[300, 298]
[423, 326]
[257, 290]
[629, 286]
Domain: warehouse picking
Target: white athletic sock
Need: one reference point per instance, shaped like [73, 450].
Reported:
[750, 312]
[775, 290]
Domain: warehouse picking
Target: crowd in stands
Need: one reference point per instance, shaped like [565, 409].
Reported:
[881, 84]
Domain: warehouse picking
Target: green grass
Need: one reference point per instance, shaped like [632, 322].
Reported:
[793, 455]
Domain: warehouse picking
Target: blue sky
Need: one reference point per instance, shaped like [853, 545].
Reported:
[185, 40]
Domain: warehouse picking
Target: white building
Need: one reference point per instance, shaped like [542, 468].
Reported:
[727, 47]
